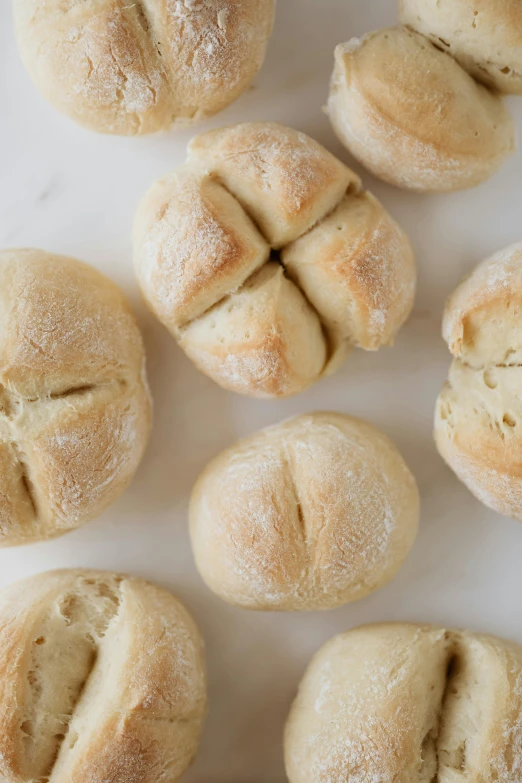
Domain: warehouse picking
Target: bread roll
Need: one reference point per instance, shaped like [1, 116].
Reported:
[311, 514]
[74, 400]
[412, 115]
[268, 263]
[102, 678]
[485, 36]
[478, 423]
[138, 67]
[408, 703]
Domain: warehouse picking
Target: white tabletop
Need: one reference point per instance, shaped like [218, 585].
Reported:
[67, 190]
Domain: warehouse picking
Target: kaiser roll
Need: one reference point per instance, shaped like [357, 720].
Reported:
[102, 679]
[74, 401]
[408, 703]
[267, 262]
[311, 514]
[138, 67]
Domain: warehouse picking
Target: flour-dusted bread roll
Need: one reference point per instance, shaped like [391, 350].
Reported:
[102, 678]
[485, 36]
[413, 116]
[139, 67]
[311, 514]
[478, 425]
[267, 262]
[408, 703]
[74, 401]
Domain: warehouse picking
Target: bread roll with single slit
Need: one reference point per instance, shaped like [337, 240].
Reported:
[102, 678]
[478, 422]
[485, 36]
[75, 408]
[138, 67]
[310, 514]
[413, 116]
[408, 703]
[268, 262]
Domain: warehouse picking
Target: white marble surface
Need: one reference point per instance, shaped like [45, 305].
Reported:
[73, 192]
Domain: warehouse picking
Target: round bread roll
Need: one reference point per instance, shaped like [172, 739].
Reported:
[138, 67]
[74, 401]
[485, 36]
[267, 262]
[311, 514]
[413, 116]
[478, 424]
[408, 703]
[102, 679]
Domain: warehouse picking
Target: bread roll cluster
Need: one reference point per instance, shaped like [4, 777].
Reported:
[408, 703]
[415, 116]
[478, 426]
[311, 514]
[74, 402]
[267, 261]
[139, 67]
[102, 678]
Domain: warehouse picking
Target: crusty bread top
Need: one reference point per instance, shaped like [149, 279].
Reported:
[137, 67]
[204, 234]
[409, 703]
[74, 401]
[485, 36]
[102, 678]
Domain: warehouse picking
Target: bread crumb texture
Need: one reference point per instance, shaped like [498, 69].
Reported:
[410, 703]
[268, 262]
[103, 679]
[478, 423]
[123, 67]
[74, 402]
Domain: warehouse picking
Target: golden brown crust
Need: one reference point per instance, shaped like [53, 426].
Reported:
[479, 416]
[410, 703]
[74, 402]
[485, 36]
[385, 90]
[103, 678]
[133, 68]
[310, 514]
[202, 239]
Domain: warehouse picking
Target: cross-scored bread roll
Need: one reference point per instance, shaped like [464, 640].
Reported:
[408, 703]
[413, 116]
[208, 239]
[138, 67]
[478, 425]
[102, 678]
[74, 401]
[311, 514]
[485, 36]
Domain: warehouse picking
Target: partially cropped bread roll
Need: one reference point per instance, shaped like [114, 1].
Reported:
[74, 401]
[478, 425]
[138, 67]
[413, 116]
[408, 703]
[268, 262]
[310, 514]
[485, 36]
[102, 678]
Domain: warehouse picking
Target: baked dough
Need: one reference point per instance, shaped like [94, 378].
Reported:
[138, 67]
[102, 678]
[413, 116]
[408, 703]
[268, 262]
[310, 514]
[485, 36]
[478, 423]
[74, 400]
